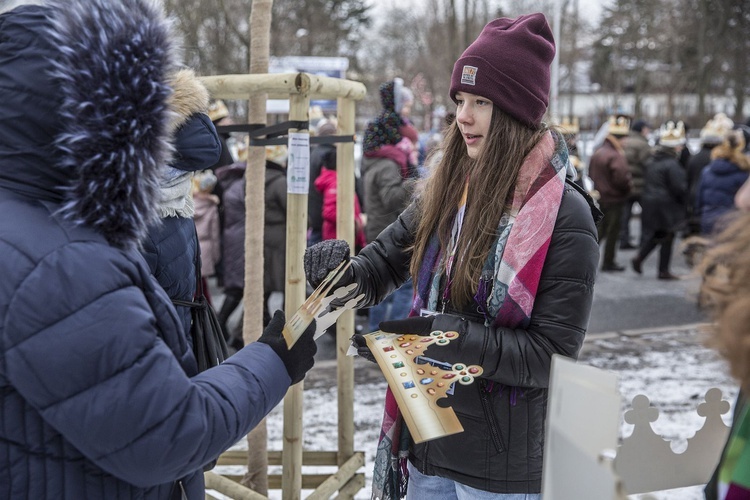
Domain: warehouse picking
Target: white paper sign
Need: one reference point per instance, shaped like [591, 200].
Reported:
[298, 164]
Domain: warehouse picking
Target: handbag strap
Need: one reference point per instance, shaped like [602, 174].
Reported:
[197, 263]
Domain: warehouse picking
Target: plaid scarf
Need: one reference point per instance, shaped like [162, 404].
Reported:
[506, 291]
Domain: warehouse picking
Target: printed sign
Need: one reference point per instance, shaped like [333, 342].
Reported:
[298, 164]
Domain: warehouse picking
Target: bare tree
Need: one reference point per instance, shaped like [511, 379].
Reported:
[253, 303]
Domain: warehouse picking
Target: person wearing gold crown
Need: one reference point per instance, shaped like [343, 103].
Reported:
[609, 170]
[663, 199]
[502, 249]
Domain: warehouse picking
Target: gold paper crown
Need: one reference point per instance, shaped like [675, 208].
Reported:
[672, 135]
[417, 387]
[619, 125]
[716, 129]
[570, 127]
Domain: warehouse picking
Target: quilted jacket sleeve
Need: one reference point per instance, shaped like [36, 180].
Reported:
[93, 366]
[383, 265]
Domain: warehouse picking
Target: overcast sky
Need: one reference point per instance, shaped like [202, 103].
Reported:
[589, 9]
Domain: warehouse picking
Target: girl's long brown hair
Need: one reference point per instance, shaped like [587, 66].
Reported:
[725, 291]
[492, 177]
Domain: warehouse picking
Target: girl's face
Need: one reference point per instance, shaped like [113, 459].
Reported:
[473, 114]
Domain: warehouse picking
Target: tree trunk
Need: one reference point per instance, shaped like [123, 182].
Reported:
[253, 304]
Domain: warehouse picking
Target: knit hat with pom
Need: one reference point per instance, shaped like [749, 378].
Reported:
[384, 129]
[509, 64]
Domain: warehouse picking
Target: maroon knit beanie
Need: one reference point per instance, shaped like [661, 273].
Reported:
[509, 64]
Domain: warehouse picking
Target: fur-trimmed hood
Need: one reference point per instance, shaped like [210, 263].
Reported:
[84, 119]
[196, 142]
[189, 97]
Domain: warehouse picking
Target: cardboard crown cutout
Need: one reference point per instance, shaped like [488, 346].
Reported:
[416, 383]
[417, 387]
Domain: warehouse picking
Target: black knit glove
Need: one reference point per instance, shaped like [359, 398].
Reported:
[323, 257]
[359, 342]
[416, 325]
[297, 360]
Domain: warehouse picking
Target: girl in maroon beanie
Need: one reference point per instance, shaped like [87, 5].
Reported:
[502, 248]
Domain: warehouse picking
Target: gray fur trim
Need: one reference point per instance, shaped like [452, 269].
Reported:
[115, 58]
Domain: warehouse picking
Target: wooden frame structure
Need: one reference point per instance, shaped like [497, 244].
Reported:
[300, 88]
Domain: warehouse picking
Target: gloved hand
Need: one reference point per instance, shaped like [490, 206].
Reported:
[297, 360]
[359, 342]
[322, 258]
[416, 325]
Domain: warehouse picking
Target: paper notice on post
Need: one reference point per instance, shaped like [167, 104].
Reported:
[298, 165]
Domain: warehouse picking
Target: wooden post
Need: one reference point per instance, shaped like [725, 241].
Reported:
[345, 323]
[296, 241]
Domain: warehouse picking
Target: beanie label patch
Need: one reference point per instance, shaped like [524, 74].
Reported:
[469, 75]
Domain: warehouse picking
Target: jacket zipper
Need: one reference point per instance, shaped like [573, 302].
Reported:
[495, 433]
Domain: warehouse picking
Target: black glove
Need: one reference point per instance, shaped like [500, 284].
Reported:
[323, 257]
[416, 325]
[358, 341]
[297, 360]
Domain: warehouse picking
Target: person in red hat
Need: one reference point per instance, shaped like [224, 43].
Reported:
[502, 248]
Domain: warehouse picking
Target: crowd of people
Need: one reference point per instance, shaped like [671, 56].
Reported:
[679, 195]
[129, 199]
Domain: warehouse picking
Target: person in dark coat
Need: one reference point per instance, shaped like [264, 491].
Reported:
[99, 388]
[663, 200]
[609, 171]
[712, 134]
[232, 179]
[171, 246]
[637, 153]
[274, 233]
[519, 289]
[720, 181]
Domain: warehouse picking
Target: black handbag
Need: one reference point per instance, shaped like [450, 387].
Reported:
[209, 346]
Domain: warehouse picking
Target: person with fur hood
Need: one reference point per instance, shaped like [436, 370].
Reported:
[171, 246]
[99, 388]
[720, 181]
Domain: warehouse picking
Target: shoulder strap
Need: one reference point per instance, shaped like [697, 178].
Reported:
[595, 212]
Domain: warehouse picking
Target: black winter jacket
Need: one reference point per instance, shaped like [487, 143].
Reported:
[501, 447]
[664, 193]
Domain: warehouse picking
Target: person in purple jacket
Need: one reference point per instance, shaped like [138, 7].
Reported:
[99, 391]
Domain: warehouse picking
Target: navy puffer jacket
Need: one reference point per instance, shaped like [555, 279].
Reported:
[98, 392]
[720, 181]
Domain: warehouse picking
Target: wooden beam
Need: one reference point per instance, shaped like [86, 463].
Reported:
[351, 488]
[239, 457]
[230, 488]
[282, 85]
[340, 478]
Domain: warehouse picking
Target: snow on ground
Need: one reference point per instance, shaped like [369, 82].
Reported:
[674, 369]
